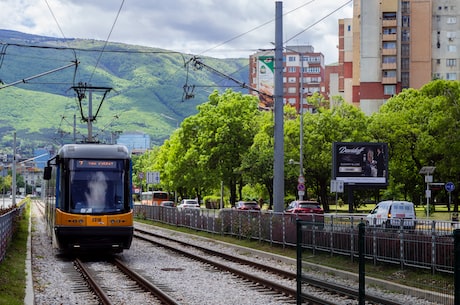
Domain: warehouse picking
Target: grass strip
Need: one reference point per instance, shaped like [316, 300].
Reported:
[12, 268]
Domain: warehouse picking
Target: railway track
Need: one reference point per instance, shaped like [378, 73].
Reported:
[140, 290]
[241, 269]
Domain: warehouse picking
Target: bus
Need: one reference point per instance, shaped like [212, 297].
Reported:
[154, 197]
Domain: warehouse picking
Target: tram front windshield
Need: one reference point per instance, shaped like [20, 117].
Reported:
[96, 186]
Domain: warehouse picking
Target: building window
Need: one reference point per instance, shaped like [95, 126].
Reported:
[451, 34]
[312, 90]
[292, 58]
[405, 50]
[291, 90]
[389, 16]
[405, 7]
[389, 59]
[389, 73]
[438, 61]
[452, 48]
[451, 62]
[451, 20]
[405, 35]
[405, 21]
[405, 79]
[292, 80]
[313, 70]
[389, 31]
[405, 64]
[292, 69]
[451, 76]
[389, 89]
[389, 45]
[292, 101]
[436, 76]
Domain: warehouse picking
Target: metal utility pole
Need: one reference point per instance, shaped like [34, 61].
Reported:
[81, 90]
[301, 173]
[13, 188]
[278, 165]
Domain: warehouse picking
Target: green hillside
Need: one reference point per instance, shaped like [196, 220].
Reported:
[147, 88]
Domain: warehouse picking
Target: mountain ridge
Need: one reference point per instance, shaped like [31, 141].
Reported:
[148, 88]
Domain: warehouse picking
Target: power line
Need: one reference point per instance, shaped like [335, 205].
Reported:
[256, 28]
[107, 40]
[318, 21]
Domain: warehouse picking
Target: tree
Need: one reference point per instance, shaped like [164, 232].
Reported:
[226, 129]
[421, 128]
[342, 123]
[257, 162]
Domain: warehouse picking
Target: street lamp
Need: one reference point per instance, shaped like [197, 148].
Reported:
[301, 177]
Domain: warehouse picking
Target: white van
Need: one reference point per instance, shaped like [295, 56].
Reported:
[391, 213]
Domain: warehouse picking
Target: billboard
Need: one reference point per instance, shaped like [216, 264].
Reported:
[360, 163]
[266, 81]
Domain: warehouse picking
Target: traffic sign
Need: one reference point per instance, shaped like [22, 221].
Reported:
[450, 186]
[153, 177]
[336, 186]
[301, 179]
[301, 187]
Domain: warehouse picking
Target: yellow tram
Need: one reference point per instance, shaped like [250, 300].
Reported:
[89, 202]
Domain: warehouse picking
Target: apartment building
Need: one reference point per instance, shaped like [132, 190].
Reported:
[390, 45]
[303, 75]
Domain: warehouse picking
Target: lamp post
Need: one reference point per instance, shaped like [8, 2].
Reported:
[301, 177]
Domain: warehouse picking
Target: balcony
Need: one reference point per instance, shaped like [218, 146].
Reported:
[389, 23]
[389, 37]
[389, 66]
[389, 80]
[389, 51]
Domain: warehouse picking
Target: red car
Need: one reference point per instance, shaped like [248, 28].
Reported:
[304, 206]
[247, 205]
[304, 210]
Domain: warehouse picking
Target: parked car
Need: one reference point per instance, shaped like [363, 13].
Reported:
[308, 210]
[247, 205]
[392, 213]
[167, 204]
[188, 203]
[304, 206]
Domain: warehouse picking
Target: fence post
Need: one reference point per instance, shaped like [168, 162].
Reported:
[457, 266]
[299, 261]
[362, 263]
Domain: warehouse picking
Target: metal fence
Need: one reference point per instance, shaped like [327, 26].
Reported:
[428, 246]
[7, 227]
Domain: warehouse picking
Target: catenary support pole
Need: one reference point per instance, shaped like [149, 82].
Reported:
[278, 165]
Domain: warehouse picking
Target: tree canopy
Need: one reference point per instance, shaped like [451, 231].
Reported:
[230, 141]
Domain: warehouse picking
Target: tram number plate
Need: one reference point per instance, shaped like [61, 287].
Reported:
[97, 221]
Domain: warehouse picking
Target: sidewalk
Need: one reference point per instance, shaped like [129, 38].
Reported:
[29, 298]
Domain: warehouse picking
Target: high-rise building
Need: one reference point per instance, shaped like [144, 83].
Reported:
[303, 75]
[390, 45]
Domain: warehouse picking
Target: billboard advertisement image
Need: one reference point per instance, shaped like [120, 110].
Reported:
[266, 81]
[363, 163]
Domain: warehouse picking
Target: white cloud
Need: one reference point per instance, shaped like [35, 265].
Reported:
[222, 28]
